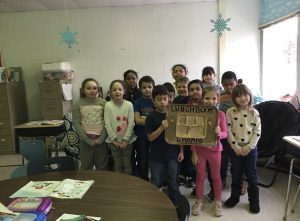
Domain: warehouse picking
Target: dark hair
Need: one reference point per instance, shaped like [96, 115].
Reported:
[146, 79]
[169, 87]
[85, 81]
[183, 79]
[159, 90]
[117, 81]
[126, 73]
[241, 89]
[208, 70]
[196, 81]
[180, 65]
[228, 75]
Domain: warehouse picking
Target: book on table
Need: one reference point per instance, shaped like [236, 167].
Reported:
[66, 189]
[72, 217]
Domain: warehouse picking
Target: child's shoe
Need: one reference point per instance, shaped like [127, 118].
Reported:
[197, 207]
[218, 208]
[231, 202]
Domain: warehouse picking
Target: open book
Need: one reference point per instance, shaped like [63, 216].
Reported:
[66, 189]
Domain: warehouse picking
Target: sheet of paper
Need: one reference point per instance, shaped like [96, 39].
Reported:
[67, 91]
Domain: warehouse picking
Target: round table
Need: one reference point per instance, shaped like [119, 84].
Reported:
[113, 196]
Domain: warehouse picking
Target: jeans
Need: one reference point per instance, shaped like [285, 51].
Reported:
[159, 170]
[142, 149]
[247, 165]
[122, 158]
[186, 167]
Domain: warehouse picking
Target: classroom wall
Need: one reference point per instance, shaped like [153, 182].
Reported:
[149, 39]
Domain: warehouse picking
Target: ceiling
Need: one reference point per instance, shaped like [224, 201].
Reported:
[10, 6]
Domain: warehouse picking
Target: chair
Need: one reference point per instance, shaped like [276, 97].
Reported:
[278, 119]
[31, 149]
[183, 209]
[19, 171]
[52, 164]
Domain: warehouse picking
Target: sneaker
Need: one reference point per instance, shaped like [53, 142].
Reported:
[190, 183]
[244, 187]
[182, 180]
[218, 208]
[193, 193]
[210, 196]
[197, 207]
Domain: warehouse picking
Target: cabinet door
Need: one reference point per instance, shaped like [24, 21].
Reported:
[3, 92]
[6, 144]
[4, 110]
[5, 127]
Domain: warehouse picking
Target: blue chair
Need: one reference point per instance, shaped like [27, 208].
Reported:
[19, 171]
[31, 149]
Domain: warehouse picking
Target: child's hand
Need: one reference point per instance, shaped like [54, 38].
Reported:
[124, 144]
[180, 156]
[238, 151]
[217, 131]
[245, 151]
[164, 124]
[115, 143]
[195, 159]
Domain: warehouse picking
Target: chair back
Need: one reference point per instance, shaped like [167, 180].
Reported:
[33, 149]
[278, 119]
[52, 164]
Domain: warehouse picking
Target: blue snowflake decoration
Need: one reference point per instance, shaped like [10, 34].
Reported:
[69, 37]
[220, 25]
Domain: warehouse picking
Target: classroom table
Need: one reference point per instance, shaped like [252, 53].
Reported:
[295, 141]
[113, 196]
[49, 130]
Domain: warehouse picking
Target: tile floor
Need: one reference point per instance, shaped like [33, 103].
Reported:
[271, 199]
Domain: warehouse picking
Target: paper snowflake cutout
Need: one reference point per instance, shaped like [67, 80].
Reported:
[69, 37]
[220, 25]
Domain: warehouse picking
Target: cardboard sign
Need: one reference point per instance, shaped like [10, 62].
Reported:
[191, 124]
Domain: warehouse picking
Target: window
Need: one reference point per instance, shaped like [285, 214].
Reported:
[279, 59]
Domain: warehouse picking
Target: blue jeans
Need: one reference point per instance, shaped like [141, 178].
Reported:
[159, 170]
[244, 164]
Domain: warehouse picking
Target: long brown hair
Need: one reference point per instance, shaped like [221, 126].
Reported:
[241, 89]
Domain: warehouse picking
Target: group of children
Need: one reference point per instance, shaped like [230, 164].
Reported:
[132, 125]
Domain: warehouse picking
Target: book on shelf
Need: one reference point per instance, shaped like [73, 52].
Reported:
[72, 217]
[66, 189]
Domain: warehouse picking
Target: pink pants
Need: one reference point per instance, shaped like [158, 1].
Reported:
[214, 161]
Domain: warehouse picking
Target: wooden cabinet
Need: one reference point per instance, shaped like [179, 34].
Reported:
[53, 102]
[13, 111]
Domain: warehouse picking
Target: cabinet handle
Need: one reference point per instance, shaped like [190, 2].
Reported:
[1, 123]
[3, 140]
